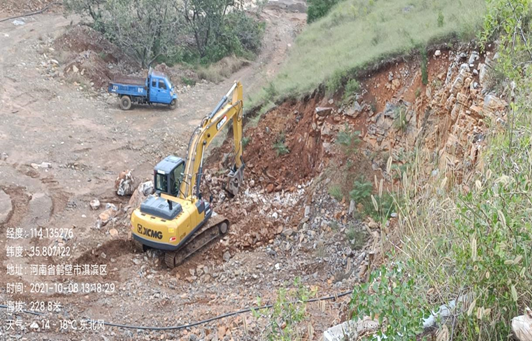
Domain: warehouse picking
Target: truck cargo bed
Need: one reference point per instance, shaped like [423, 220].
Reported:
[130, 80]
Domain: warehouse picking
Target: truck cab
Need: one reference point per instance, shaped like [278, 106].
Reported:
[160, 88]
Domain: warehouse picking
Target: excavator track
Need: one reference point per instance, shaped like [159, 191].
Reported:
[216, 226]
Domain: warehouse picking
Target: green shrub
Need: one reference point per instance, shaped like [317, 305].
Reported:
[288, 312]
[348, 140]
[334, 83]
[356, 237]
[361, 191]
[147, 30]
[188, 81]
[271, 92]
[392, 298]
[424, 64]
[319, 8]
[441, 19]
[245, 141]
[382, 206]
[379, 206]
[280, 146]
[351, 88]
[400, 123]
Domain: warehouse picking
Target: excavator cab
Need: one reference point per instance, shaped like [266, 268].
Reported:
[168, 175]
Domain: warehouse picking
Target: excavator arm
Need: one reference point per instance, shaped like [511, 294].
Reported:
[229, 109]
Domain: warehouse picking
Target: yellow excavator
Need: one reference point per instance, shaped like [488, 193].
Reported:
[177, 219]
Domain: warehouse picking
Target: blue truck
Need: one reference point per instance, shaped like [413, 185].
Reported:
[154, 89]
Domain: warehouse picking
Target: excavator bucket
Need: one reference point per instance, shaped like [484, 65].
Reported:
[235, 178]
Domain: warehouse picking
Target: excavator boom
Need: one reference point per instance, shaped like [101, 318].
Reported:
[230, 108]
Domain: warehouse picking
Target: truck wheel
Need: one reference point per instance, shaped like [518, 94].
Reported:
[173, 104]
[125, 103]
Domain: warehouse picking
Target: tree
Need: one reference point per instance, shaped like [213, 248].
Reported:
[92, 8]
[144, 29]
[206, 20]
[149, 29]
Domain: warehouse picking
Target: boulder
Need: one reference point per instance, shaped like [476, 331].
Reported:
[354, 111]
[326, 129]
[522, 326]
[396, 84]
[465, 67]
[482, 73]
[226, 256]
[95, 204]
[140, 194]
[323, 111]
[5, 207]
[43, 165]
[107, 215]
[473, 57]
[350, 330]
[494, 104]
[124, 183]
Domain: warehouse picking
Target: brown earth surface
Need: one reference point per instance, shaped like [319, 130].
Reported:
[63, 142]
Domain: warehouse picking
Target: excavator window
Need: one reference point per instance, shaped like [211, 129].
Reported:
[161, 183]
[178, 177]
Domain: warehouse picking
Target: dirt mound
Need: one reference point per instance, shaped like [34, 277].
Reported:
[112, 248]
[86, 53]
[83, 38]
[284, 149]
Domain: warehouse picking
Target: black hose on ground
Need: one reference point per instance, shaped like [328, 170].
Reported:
[31, 13]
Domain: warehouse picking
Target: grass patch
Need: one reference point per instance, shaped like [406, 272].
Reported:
[188, 81]
[245, 141]
[424, 66]
[351, 88]
[335, 191]
[356, 237]
[400, 122]
[359, 33]
[348, 141]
